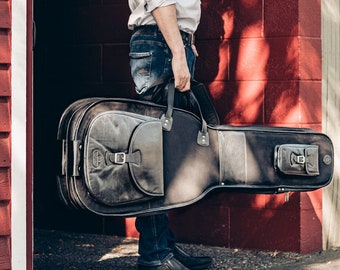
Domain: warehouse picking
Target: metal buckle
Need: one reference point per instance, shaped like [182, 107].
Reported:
[120, 158]
[301, 159]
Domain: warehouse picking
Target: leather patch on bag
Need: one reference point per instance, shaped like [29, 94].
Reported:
[297, 159]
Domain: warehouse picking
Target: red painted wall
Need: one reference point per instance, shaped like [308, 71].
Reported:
[261, 61]
[5, 135]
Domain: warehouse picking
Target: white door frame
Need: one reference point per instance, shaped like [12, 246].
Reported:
[19, 136]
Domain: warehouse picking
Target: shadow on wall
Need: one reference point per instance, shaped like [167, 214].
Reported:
[259, 222]
[250, 57]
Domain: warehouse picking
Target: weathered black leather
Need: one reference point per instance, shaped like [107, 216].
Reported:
[95, 132]
[123, 158]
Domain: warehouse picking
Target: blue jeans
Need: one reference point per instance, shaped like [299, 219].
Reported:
[150, 59]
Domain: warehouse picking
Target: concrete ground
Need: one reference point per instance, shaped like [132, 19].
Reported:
[54, 250]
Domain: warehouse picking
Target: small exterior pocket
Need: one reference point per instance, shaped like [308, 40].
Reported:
[297, 159]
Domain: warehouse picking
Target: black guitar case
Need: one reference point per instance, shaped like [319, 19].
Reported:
[123, 157]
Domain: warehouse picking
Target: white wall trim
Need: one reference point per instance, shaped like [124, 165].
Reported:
[18, 162]
[331, 117]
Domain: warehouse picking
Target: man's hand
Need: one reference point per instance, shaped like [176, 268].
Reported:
[181, 72]
[166, 20]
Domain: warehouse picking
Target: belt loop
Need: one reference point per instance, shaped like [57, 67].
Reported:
[187, 38]
[192, 39]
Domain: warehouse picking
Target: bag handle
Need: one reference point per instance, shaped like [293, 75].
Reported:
[167, 117]
[203, 135]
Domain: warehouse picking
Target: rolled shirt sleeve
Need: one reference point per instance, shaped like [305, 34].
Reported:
[150, 5]
[188, 13]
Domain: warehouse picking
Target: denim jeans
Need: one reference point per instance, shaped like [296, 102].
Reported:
[150, 59]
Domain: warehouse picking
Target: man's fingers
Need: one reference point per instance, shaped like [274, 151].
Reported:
[183, 87]
[187, 86]
[182, 84]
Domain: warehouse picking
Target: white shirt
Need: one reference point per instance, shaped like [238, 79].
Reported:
[188, 13]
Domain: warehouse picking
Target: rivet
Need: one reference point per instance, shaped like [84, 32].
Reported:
[327, 159]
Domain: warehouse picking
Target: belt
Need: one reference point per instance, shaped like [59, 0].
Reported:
[152, 29]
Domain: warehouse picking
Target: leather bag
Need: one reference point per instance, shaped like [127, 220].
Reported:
[123, 157]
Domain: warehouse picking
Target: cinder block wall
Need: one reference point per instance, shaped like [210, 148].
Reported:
[5, 134]
[261, 61]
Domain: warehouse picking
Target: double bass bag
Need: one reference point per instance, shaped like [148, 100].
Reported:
[124, 157]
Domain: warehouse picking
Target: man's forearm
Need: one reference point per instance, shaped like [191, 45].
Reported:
[166, 20]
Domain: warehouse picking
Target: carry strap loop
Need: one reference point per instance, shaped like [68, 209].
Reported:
[167, 117]
[203, 135]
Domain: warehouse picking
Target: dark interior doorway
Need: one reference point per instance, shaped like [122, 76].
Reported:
[81, 50]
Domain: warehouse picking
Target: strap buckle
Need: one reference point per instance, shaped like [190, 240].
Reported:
[300, 159]
[120, 158]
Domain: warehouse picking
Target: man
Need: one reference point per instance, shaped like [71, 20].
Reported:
[162, 46]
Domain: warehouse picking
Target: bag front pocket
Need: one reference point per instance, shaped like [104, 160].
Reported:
[123, 158]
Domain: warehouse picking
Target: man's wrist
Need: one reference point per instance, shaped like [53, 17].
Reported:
[178, 51]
